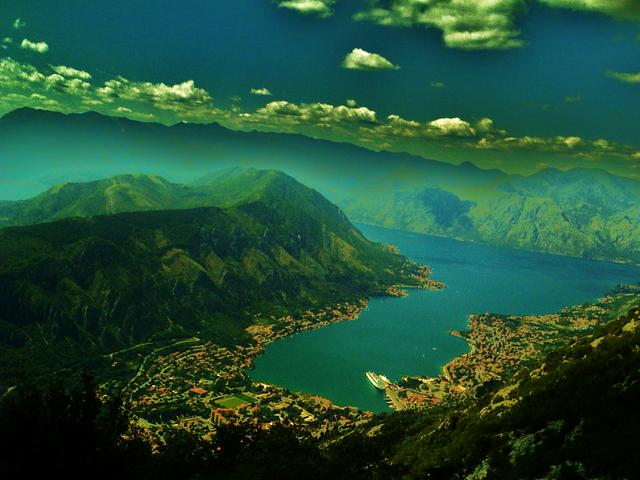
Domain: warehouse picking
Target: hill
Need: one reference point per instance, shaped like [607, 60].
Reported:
[79, 287]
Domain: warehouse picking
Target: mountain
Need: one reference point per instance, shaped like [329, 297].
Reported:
[580, 212]
[43, 148]
[79, 287]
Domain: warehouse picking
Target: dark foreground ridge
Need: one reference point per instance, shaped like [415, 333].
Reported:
[572, 416]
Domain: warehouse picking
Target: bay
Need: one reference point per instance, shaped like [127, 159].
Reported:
[409, 336]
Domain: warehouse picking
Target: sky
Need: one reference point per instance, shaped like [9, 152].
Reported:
[518, 85]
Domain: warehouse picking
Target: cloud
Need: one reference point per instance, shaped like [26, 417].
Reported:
[6, 41]
[71, 72]
[63, 89]
[572, 99]
[40, 47]
[179, 97]
[316, 114]
[359, 59]
[625, 77]
[320, 8]
[261, 91]
[452, 127]
[465, 24]
[19, 23]
[613, 8]
[436, 84]
[74, 92]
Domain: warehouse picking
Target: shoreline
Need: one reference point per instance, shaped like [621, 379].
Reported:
[214, 378]
[499, 346]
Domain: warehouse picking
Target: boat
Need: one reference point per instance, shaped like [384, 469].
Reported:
[378, 381]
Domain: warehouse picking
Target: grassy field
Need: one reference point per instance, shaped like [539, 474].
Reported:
[235, 400]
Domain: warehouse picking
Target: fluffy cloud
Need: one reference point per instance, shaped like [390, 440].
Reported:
[452, 127]
[613, 8]
[625, 77]
[179, 97]
[261, 92]
[71, 72]
[359, 59]
[39, 47]
[465, 24]
[19, 23]
[321, 8]
[73, 91]
[6, 41]
[315, 114]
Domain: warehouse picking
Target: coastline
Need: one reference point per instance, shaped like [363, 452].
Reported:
[499, 345]
[214, 379]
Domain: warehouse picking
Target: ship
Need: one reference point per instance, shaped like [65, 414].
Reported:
[378, 381]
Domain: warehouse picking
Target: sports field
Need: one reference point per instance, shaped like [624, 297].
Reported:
[235, 400]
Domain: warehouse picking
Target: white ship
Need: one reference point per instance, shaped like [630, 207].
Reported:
[378, 381]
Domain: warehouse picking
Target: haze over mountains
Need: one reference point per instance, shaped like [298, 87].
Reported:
[581, 212]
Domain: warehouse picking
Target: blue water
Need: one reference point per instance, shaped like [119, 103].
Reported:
[409, 336]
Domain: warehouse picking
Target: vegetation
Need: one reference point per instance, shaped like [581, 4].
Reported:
[573, 416]
[80, 287]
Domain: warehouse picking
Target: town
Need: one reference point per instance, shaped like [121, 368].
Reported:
[499, 346]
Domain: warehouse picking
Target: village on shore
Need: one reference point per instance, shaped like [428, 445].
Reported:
[198, 386]
[499, 346]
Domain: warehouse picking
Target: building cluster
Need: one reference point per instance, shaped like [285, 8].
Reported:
[499, 346]
[201, 386]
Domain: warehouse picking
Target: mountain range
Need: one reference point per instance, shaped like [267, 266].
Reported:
[581, 212]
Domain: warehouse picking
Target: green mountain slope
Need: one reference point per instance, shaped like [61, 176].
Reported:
[584, 213]
[82, 286]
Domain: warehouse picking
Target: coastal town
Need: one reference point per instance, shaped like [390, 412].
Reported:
[198, 386]
[499, 346]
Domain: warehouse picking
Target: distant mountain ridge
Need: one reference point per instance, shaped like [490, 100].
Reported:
[580, 212]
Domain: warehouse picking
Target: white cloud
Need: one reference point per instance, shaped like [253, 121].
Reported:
[261, 92]
[71, 72]
[321, 114]
[40, 47]
[320, 8]
[359, 59]
[19, 23]
[452, 127]
[176, 97]
[465, 24]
